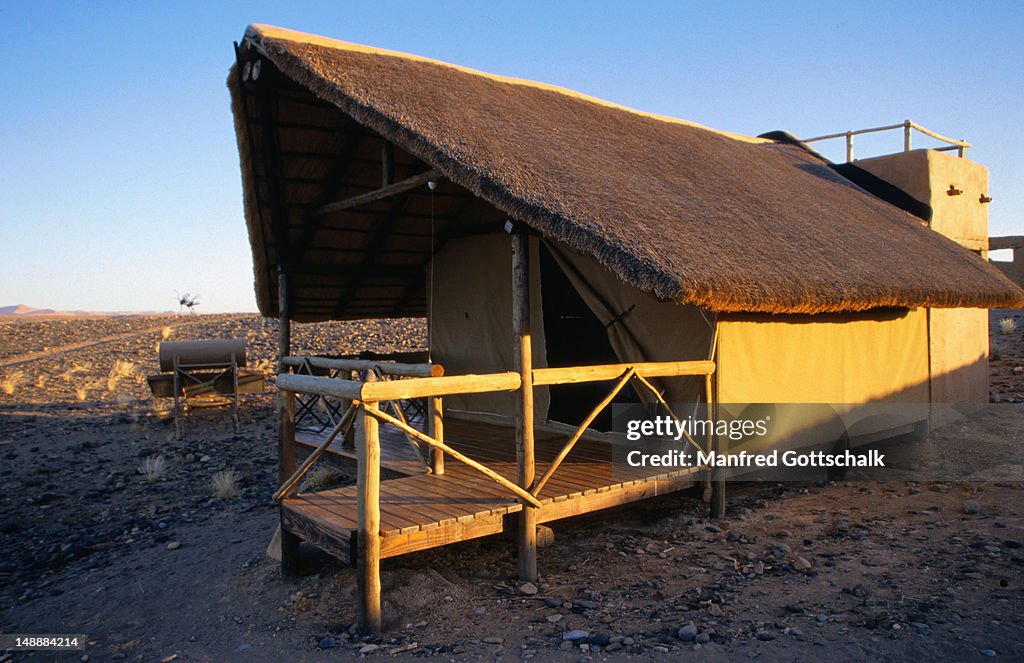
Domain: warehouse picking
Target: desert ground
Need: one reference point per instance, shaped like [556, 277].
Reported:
[165, 568]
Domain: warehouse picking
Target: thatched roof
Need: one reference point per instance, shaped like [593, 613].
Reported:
[689, 214]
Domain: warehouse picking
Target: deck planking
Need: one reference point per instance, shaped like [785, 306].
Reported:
[420, 510]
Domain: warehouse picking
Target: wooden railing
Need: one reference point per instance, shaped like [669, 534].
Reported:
[908, 128]
[367, 397]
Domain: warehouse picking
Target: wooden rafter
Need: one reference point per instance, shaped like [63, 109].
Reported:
[382, 193]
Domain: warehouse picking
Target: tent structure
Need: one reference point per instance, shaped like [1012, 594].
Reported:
[690, 263]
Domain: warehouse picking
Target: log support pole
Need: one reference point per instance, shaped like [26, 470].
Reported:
[368, 537]
[285, 469]
[435, 412]
[523, 358]
[285, 422]
[717, 473]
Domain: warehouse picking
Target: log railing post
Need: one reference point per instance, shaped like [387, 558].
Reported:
[285, 469]
[368, 534]
[435, 414]
[523, 361]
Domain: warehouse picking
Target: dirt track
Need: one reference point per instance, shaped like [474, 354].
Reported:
[851, 571]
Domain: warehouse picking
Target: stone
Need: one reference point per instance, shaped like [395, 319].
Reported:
[600, 639]
[687, 633]
[327, 643]
[174, 545]
[987, 652]
[703, 638]
[801, 564]
[575, 635]
[765, 636]
[528, 589]
[493, 640]
[368, 648]
[555, 618]
[553, 602]
[545, 536]
[972, 507]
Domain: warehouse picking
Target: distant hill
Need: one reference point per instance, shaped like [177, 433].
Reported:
[24, 311]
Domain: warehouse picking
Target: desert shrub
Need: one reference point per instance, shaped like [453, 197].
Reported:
[1007, 325]
[225, 485]
[12, 380]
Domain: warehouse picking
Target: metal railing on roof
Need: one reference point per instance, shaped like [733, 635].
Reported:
[908, 128]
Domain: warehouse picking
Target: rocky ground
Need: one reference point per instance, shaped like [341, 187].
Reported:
[165, 569]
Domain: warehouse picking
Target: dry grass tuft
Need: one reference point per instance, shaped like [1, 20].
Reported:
[153, 468]
[11, 380]
[166, 332]
[319, 479]
[1007, 326]
[41, 380]
[225, 485]
[73, 372]
[81, 393]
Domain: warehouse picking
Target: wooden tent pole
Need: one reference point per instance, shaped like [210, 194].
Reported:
[523, 361]
[285, 423]
[368, 532]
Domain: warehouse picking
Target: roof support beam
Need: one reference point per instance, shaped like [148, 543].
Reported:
[382, 193]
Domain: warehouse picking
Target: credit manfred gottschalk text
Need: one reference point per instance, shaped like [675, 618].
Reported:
[689, 449]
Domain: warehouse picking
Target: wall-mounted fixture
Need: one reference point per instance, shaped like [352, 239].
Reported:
[984, 200]
[953, 191]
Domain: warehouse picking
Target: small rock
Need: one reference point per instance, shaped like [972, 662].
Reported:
[765, 636]
[583, 604]
[687, 633]
[368, 648]
[703, 638]
[327, 643]
[493, 640]
[922, 629]
[555, 618]
[971, 507]
[987, 652]
[528, 589]
[600, 639]
[822, 619]
[801, 564]
[174, 545]
[842, 526]
[576, 635]
[553, 602]
[480, 611]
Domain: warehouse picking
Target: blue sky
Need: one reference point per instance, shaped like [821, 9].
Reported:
[119, 179]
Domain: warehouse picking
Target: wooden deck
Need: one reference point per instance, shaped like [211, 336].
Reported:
[420, 510]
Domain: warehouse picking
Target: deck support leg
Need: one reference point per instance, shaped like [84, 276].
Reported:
[285, 469]
[368, 539]
[523, 361]
[435, 414]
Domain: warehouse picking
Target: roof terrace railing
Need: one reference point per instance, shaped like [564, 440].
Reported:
[908, 128]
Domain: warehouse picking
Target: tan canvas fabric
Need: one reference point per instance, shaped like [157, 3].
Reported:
[846, 358]
[471, 318]
[641, 328]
